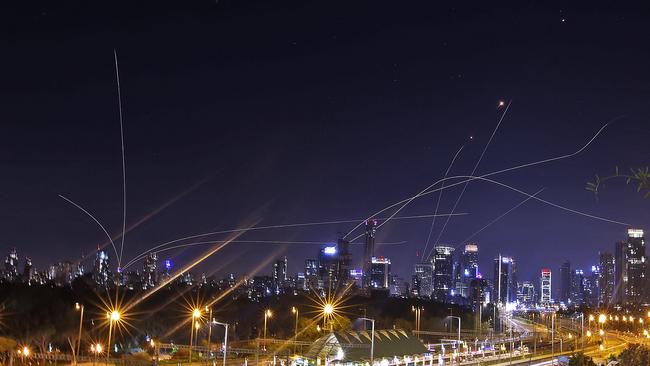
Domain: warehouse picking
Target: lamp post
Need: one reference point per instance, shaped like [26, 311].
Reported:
[328, 310]
[418, 317]
[582, 331]
[456, 317]
[113, 317]
[196, 313]
[80, 309]
[372, 340]
[295, 328]
[225, 339]
[209, 328]
[267, 315]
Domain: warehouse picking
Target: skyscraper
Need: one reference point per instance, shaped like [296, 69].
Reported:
[28, 271]
[526, 293]
[591, 287]
[545, 287]
[345, 262]
[150, 271]
[620, 270]
[564, 287]
[424, 279]
[101, 270]
[443, 267]
[577, 288]
[11, 265]
[636, 266]
[369, 249]
[505, 279]
[311, 274]
[328, 267]
[380, 273]
[606, 279]
[469, 262]
[279, 275]
[466, 270]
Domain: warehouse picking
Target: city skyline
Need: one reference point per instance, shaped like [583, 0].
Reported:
[207, 172]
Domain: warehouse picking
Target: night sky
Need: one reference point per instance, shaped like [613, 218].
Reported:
[275, 112]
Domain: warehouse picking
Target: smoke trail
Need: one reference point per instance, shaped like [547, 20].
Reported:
[119, 102]
[478, 162]
[517, 167]
[92, 217]
[503, 215]
[433, 220]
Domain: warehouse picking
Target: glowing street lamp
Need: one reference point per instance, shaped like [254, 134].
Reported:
[602, 318]
[294, 310]
[80, 308]
[588, 333]
[113, 317]
[196, 315]
[26, 351]
[601, 332]
[267, 315]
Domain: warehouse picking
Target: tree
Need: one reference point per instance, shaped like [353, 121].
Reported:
[635, 354]
[580, 359]
[638, 176]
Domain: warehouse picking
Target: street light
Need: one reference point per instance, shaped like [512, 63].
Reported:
[588, 333]
[80, 308]
[602, 318]
[225, 339]
[196, 314]
[601, 332]
[418, 317]
[113, 317]
[295, 330]
[372, 339]
[267, 315]
[456, 317]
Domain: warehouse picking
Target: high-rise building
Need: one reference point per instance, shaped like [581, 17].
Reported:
[101, 270]
[606, 279]
[311, 275]
[545, 287]
[466, 270]
[423, 283]
[620, 270]
[398, 287]
[469, 262]
[591, 287]
[443, 268]
[577, 288]
[279, 275]
[379, 273]
[345, 262]
[28, 271]
[564, 287]
[479, 295]
[328, 267]
[636, 266]
[150, 271]
[11, 265]
[369, 249]
[526, 293]
[505, 280]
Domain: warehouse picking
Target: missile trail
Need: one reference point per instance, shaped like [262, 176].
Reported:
[478, 162]
[433, 220]
[502, 215]
[94, 219]
[155, 248]
[516, 167]
[119, 102]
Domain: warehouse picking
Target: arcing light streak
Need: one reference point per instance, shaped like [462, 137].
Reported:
[134, 260]
[119, 101]
[433, 220]
[501, 216]
[94, 219]
[478, 162]
[187, 267]
[155, 248]
[517, 167]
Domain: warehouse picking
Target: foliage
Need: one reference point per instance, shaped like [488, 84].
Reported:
[635, 354]
[639, 176]
[580, 359]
